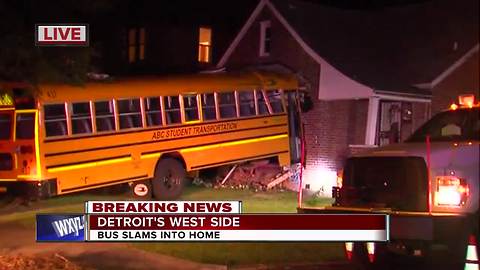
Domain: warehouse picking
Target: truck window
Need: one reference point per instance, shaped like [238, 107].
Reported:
[454, 125]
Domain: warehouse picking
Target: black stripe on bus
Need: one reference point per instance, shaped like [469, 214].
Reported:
[156, 141]
[207, 144]
[105, 183]
[158, 128]
[240, 159]
[85, 161]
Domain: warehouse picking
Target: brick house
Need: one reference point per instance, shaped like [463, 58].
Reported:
[462, 77]
[359, 67]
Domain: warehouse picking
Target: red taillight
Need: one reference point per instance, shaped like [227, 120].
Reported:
[371, 251]
[349, 250]
[340, 178]
[451, 191]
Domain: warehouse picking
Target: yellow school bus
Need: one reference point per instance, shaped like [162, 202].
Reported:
[149, 131]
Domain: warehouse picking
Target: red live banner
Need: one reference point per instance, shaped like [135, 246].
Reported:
[237, 227]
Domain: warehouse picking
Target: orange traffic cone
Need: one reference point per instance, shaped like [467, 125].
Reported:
[471, 261]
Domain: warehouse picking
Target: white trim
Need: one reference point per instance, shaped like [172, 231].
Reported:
[372, 119]
[264, 25]
[449, 70]
[362, 145]
[241, 34]
[403, 98]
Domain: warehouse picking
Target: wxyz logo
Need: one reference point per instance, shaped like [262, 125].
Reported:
[69, 226]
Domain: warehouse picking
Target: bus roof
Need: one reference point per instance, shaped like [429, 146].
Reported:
[167, 85]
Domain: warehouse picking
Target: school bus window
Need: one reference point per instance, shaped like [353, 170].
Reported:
[104, 118]
[153, 111]
[191, 108]
[247, 103]
[25, 126]
[129, 113]
[227, 105]
[172, 110]
[81, 118]
[55, 120]
[208, 107]
[275, 100]
[262, 105]
[5, 126]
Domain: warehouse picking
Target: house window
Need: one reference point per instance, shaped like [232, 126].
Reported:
[136, 44]
[265, 38]
[204, 45]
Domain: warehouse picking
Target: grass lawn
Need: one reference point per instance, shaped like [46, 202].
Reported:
[250, 253]
[215, 253]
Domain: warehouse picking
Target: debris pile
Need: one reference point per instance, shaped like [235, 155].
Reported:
[256, 175]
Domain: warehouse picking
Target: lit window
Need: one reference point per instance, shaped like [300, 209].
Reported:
[204, 44]
[265, 38]
[136, 44]
[132, 34]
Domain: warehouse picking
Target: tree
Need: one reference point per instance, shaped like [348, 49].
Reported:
[21, 60]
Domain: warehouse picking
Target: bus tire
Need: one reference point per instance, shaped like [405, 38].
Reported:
[169, 179]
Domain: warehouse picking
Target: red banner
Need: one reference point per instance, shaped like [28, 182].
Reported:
[238, 222]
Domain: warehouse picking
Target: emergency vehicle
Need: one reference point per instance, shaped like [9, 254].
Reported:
[429, 187]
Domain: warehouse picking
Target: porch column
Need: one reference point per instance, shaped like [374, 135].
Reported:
[372, 118]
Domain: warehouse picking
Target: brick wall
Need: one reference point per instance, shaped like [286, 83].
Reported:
[464, 80]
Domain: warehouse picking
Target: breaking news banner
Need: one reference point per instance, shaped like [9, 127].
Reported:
[235, 227]
[60, 228]
[175, 221]
[151, 207]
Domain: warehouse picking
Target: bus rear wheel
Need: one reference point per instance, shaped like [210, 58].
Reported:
[169, 179]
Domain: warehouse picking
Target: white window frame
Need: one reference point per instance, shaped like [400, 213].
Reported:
[264, 25]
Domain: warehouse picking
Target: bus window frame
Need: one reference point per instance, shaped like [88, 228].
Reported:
[235, 103]
[217, 107]
[282, 101]
[267, 102]
[183, 113]
[160, 111]
[93, 116]
[70, 109]
[44, 120]
[114, 118]
[130, 113]
[143, 116]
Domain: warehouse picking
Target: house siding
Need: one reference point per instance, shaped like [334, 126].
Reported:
[463, 80]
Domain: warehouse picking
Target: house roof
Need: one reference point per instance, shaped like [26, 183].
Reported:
[388, 49]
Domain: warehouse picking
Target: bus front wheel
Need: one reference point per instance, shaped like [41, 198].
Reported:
[169, 179]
